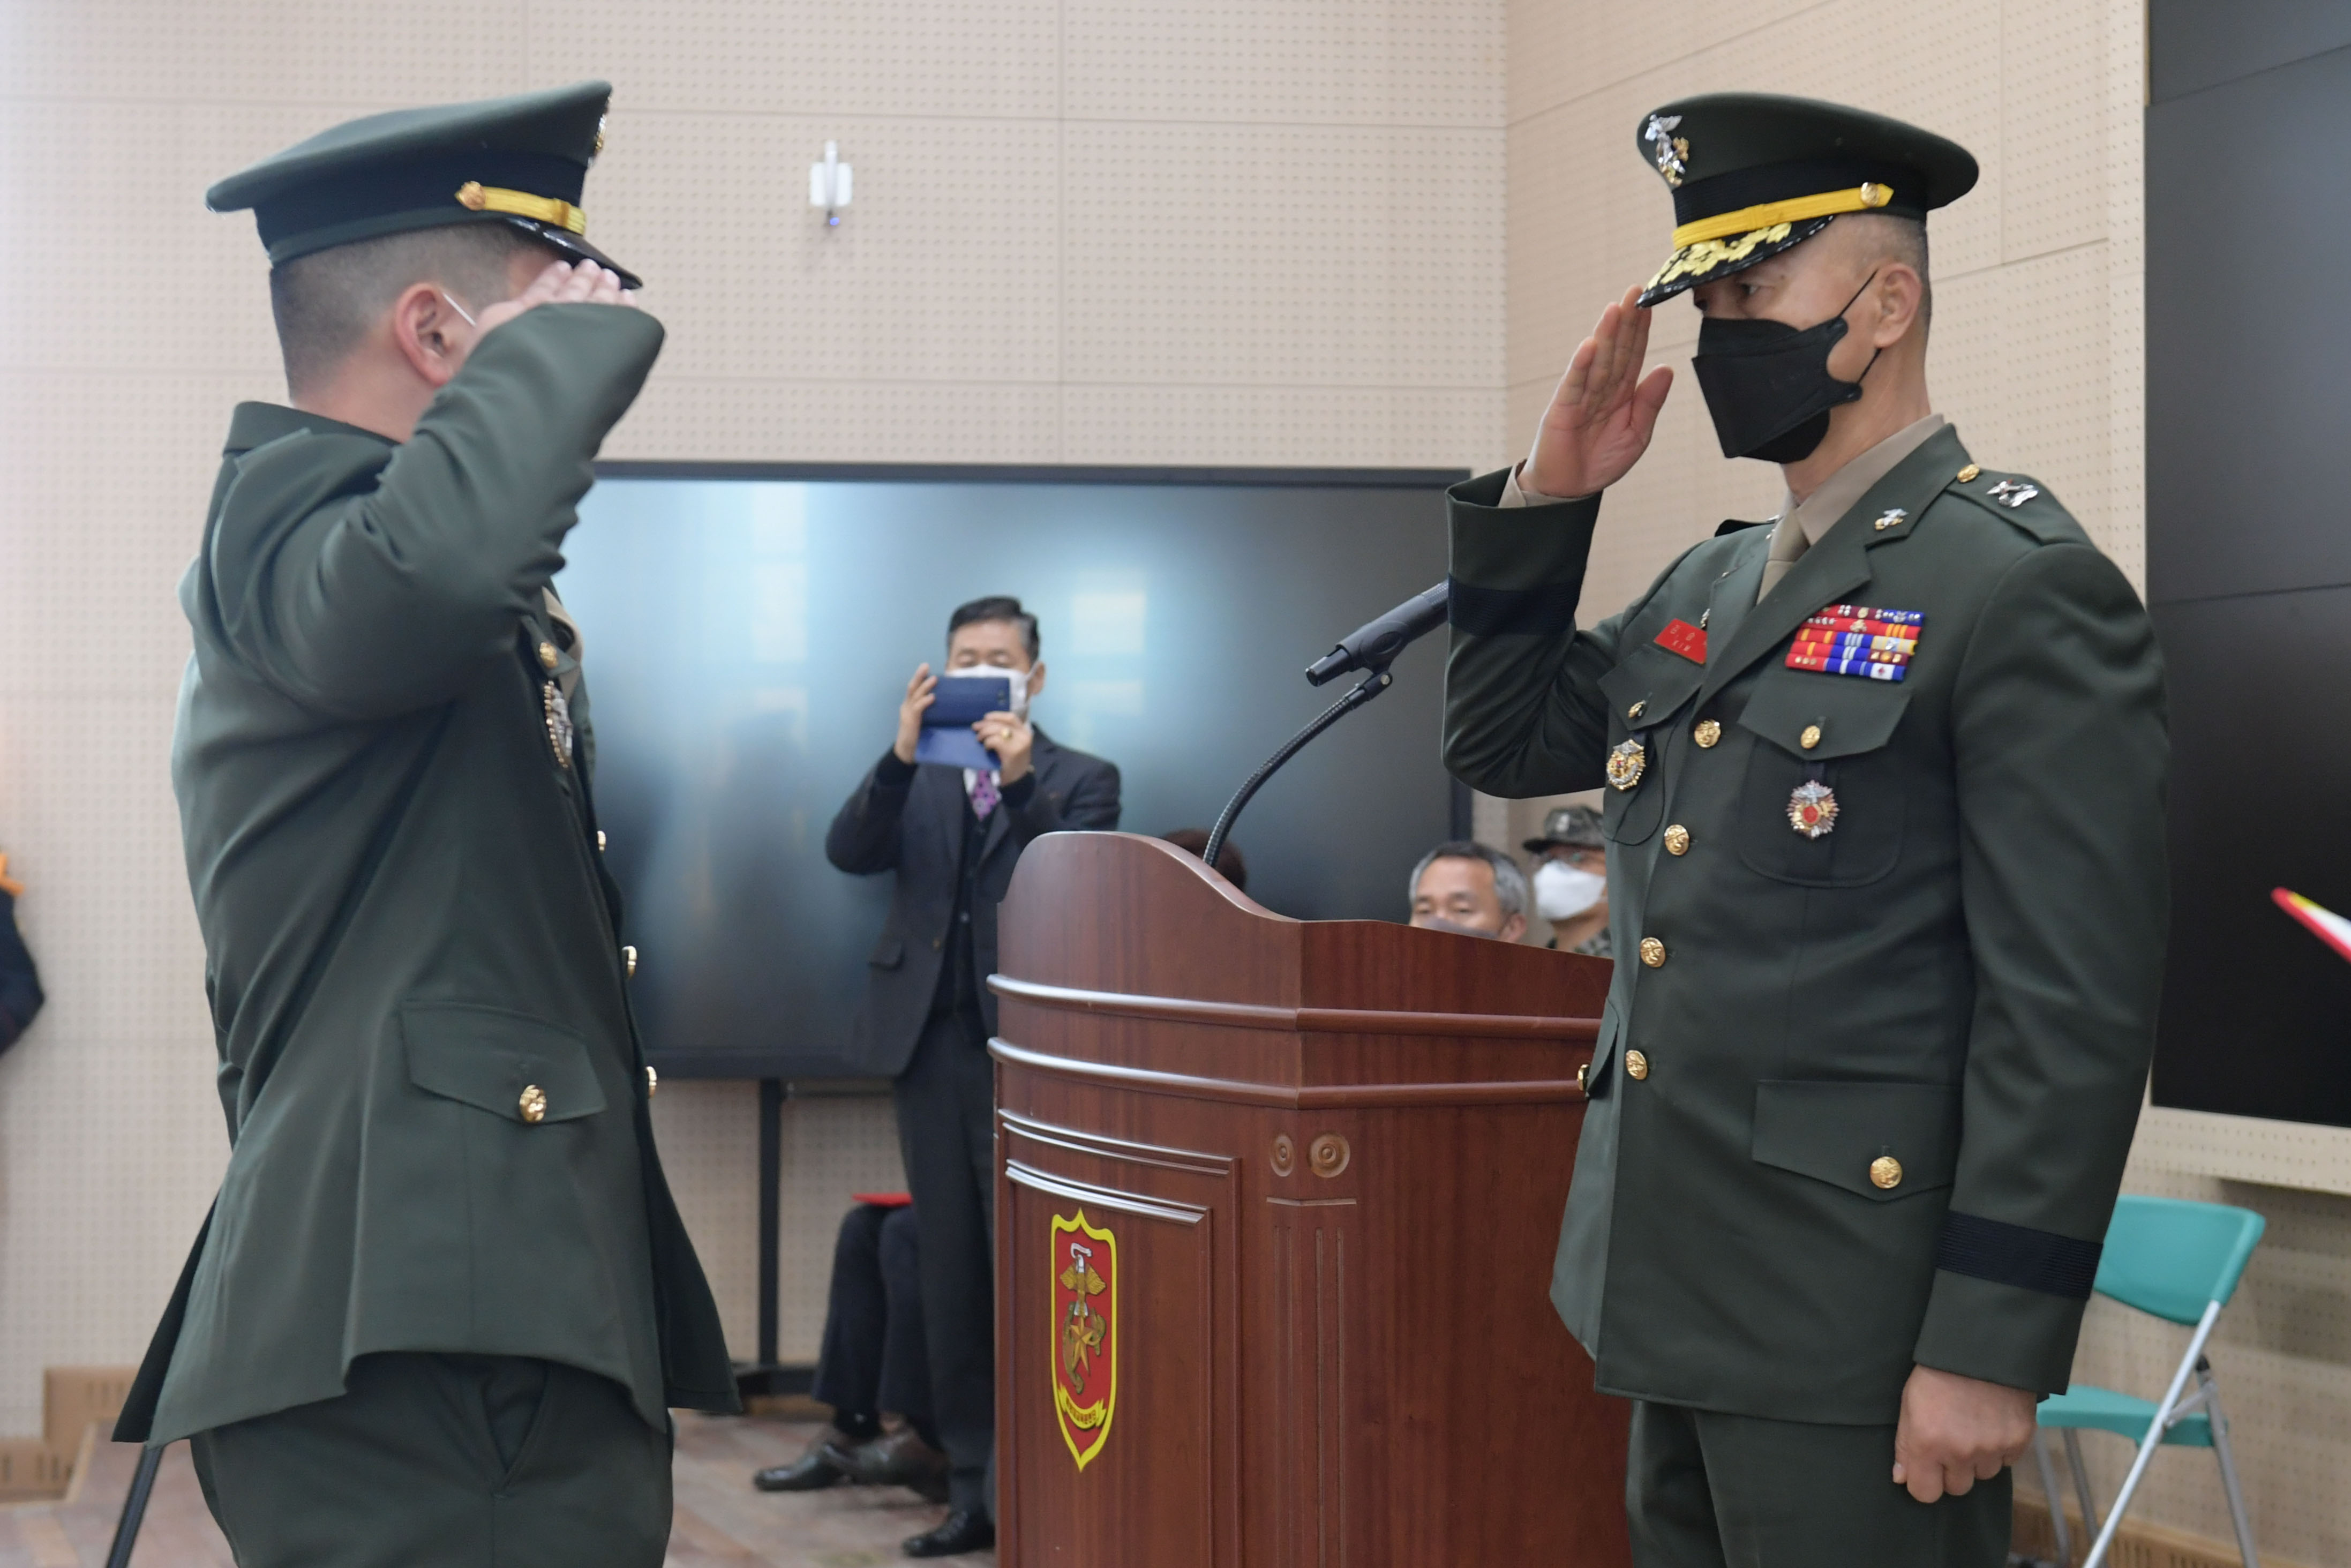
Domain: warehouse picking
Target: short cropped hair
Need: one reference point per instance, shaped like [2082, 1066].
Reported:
[1510, 882]
[326, 302]
[997, 607]
[1903, 240]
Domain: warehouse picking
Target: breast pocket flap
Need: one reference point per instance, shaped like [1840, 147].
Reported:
[492, 1060]
[1843, 716]
[1882, 1141]
[1647, 687]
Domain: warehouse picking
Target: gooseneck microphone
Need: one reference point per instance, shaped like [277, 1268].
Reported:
[1372, 646]
[1375, 644]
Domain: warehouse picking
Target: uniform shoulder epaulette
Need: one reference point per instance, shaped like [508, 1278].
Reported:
[2020, 501]
[1734, 525]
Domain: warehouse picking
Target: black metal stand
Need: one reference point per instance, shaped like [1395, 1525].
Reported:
[134, 1509]
[1375, 683]
[767, 1374]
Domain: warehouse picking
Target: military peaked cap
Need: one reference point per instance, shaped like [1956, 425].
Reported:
[520, 161]
[1577, 826]
[1754, 174]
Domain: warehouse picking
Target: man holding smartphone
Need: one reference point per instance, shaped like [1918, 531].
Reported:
[952, 836]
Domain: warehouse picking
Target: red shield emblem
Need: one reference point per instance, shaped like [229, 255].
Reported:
[1085, 1333]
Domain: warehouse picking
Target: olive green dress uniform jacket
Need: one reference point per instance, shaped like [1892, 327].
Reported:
[406, 920]
[1962, 974]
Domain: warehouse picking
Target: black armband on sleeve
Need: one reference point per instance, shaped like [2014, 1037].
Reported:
[1545, 612]
[2018, 1255]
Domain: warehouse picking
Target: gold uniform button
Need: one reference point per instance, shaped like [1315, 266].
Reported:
[1886, 1173]
[1637, 1066]
[1652, 953]
[1677, 840]
[629, 962]
[1707, 733]
[534, 1104]
[547, 654]
[652, 1081]
[1967, 473]
[1637, 709]
[1811, 738]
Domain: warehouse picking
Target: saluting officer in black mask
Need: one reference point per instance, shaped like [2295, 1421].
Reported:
[1885, 808]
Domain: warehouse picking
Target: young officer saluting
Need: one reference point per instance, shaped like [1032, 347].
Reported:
[443, 1302]
[1886, 875]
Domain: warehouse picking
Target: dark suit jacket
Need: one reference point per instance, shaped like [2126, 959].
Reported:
[20, 983]
[407, 925]
[916, 830]
[1959, 978]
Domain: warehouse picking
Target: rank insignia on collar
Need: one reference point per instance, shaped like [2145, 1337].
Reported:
[2012, 493]
[1894, 518]
[559, 733]
[1627, 763]
[1813, 808]
[1671, 149]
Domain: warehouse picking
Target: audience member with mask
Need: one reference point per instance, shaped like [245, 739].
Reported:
[1470, 890]
[1572, 880]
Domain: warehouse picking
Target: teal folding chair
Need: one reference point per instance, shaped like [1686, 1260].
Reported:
[2179, 1262]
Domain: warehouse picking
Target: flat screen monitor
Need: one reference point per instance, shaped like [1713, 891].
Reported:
[748, 633]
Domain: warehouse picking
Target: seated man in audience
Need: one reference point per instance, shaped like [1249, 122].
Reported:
[1195, 841]
[1470, 890]
[1572, 880]
[873, 1362]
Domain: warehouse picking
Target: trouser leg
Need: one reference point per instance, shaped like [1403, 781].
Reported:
[856, 1315]
[461, 1462]
[905, 1352]
[945, 1102]
[1793, 1494]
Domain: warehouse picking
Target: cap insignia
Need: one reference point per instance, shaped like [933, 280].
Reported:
[1671, 149]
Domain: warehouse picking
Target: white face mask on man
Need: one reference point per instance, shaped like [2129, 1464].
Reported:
[1563, 891]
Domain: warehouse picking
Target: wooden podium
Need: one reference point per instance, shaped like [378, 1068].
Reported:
[1276, 1203]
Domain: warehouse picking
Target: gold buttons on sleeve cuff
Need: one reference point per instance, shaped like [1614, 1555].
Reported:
[547, 654]
[533, 1103]
[1636, 1065]
[652, 1081]
[1707, 733]
[1811, 738]
[1652, 953]
[629, 962]
[1886, 1173]
[1677, 840]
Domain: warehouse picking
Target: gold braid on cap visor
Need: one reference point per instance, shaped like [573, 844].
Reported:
[475, 197]
[1708, 243]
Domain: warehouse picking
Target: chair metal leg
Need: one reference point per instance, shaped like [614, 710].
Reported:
[2080, 1471]
[2227, 1456]
[2056, 1504]
[2155, 1430]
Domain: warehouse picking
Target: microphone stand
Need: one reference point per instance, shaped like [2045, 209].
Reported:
[1378, 681]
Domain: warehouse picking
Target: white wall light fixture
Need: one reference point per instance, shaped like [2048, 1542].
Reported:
[829, 184]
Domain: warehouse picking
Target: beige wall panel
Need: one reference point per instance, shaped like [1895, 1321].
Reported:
[763, 419]
[1564, 50]
[924, 57]
[146, 52]
[709, 1135]
[1368, 62]
[1369, 427]
[1396, 236]
[945, 268]
[2053, 85]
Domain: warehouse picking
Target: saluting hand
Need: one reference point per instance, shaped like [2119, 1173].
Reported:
[919, 697]
[563, 283]
[1602, 417]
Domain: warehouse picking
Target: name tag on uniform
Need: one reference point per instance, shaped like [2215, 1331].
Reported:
[1856, 640]
[1681, 637]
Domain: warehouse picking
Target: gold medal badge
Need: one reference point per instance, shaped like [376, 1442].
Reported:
[1813, 808]
[1627, 763]
[1085, 1333]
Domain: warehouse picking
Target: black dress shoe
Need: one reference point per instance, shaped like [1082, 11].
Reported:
[899, 1458]
[964, 1530]
[814, 1470]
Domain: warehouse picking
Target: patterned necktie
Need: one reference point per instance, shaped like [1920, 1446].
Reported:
[984, 794]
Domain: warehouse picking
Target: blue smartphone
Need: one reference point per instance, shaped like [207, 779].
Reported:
[957, 702]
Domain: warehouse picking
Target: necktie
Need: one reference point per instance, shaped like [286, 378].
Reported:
[1787, 547]
[984, 794]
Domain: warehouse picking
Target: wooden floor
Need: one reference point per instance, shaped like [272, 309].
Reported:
[720, 1519]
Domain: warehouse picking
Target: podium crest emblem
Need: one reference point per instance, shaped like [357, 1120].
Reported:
[1085, 1333]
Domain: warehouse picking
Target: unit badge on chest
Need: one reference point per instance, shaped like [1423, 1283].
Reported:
[1813, 808]
[1627, 763]
[559, 733]
[1085, 1333]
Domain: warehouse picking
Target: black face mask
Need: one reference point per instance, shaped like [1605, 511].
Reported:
[1768, 385]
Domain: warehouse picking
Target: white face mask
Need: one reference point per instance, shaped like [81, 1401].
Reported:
[1563, 891]
[1020, 679]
